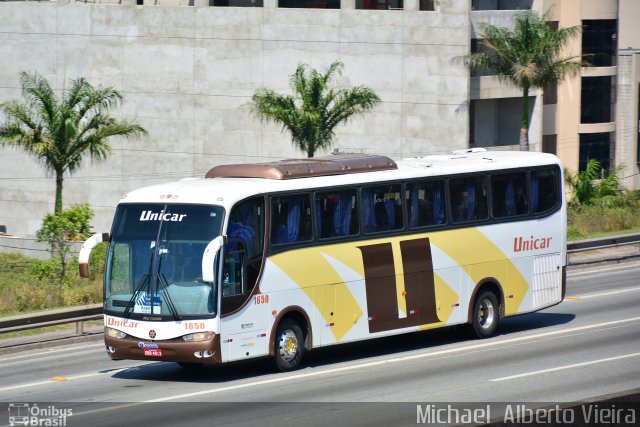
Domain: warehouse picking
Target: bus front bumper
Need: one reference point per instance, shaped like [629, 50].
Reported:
[201, 352]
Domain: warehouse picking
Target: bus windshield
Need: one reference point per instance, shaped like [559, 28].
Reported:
[154, 262]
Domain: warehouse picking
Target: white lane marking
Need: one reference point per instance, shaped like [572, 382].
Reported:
[50, 352]
[72, 378]
[604, 294]
[394, 360]
[560, 368]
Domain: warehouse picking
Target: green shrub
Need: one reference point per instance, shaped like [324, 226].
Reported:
[594, 185]
[59, 230]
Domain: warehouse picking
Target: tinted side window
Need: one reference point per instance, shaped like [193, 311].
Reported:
[243, 253]
[336, 214]
[509, 195]
[290, 219]
[426, 204]
[468, 198]
[246, 222]
[545, 190]
[382, 208]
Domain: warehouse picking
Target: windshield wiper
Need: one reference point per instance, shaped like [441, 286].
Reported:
[167, 298]
[144, 282]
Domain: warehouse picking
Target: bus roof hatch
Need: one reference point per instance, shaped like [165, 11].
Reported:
[306, 167]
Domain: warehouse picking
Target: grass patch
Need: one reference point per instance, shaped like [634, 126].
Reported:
[597, 221]
[24, 289]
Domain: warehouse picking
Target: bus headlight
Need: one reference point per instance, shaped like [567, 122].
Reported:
[114, 333]
[198, 336]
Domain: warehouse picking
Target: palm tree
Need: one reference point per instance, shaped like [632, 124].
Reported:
[59, 131]
[529, 56]
[315, 109]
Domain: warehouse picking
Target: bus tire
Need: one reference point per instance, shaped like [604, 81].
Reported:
[288, 346]
[486, 314]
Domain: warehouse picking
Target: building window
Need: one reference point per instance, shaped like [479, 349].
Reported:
[427, 5]
[380, 4]
[595, 146]
[550, 144]
[501, 4]
[236, 3]
[599, 42]
[597, 99]
[310, 4]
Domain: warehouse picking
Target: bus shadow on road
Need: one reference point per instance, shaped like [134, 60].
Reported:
[532, 321]
[428, 339]
[328, 356]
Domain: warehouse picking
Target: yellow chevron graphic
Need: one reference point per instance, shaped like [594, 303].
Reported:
[309, 269]
[469, 247]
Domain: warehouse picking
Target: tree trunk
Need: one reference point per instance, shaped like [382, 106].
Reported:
[524, 121]
[63, 268]
[58, 205]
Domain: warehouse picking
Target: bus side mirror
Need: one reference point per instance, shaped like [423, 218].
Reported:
[208, 258]
[85, 251]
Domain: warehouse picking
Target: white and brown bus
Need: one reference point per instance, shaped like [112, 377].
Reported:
[273, 259]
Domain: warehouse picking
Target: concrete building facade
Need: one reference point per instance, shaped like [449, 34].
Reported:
[595, 114]
[187, 69]
[187, 73]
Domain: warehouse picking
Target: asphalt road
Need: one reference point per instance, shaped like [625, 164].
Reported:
[586, 347]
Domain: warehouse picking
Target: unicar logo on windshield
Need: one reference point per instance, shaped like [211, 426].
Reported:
[161, 216]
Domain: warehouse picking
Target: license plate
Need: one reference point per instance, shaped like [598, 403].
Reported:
[154, 352]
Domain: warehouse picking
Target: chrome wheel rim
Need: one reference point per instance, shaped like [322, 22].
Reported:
[288, 345]
[485, 314]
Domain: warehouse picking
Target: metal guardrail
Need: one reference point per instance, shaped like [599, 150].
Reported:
[52, 318]
[603, 242]
[94, 311]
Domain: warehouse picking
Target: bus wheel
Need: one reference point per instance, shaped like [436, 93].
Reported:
[289, 346]
[485, 314]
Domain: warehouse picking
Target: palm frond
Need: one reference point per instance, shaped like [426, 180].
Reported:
[40, 96]
[60, 131]
[315, 108]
